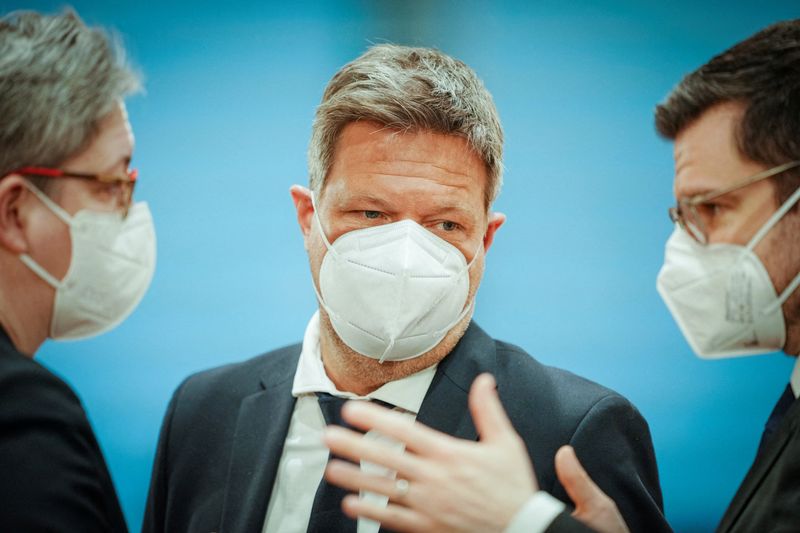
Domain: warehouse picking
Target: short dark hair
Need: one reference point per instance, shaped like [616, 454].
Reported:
[763, 73]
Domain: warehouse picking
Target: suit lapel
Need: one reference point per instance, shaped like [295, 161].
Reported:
[445, 406]
[761, 467]
[261, 428]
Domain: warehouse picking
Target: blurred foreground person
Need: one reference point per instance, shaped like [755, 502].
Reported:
[76, 256]
[730, 278]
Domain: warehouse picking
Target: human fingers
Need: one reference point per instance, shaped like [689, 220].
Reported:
[351, 445]
[491, 420]
[417, 437]
[592, 505]
[579, 486]
[351, 477]
[394, 517]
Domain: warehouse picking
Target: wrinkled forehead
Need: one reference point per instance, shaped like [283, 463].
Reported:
[706, 152]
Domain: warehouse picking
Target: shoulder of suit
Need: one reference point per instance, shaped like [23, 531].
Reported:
[242, 378]
[31, 391]
[548, 404]
[522, 371]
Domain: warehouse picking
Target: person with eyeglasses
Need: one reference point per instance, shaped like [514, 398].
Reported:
[76, 257]
[730, 278]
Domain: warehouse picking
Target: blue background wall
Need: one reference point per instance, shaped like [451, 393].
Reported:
[221, 135]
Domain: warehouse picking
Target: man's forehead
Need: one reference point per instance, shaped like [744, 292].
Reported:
[706, 152]
[392, 143]
[696, 174]
[371, 158]
[390, 189]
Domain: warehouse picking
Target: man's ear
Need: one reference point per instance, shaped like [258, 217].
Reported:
[13, 194]
[301, 196]
[495, 221]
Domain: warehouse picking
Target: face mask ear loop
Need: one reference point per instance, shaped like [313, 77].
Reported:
[39, 271]
[319, 225]
[59, 212]
[784, 296]
[330, 250]
[776, 216]
[782, 210]
[47, 201]
[322, 301]
[475, 255]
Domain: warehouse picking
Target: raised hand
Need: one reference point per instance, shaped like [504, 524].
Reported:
[442, 483]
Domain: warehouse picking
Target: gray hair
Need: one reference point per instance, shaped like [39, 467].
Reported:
[58, 77]
[408, 89]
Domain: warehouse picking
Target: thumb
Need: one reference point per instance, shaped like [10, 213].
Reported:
[488, 414]
[579, 486]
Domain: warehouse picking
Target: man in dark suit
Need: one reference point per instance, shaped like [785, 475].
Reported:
[405, 161]
[730, 278]
[75, 258]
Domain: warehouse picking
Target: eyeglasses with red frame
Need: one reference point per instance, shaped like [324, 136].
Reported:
[127, 182]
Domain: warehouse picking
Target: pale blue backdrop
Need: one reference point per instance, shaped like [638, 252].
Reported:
[221, 135]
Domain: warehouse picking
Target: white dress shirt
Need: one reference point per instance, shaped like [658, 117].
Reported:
[304, 456]
[794, 381]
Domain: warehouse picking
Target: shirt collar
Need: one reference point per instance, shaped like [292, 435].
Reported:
[310, 377]
[795, 379]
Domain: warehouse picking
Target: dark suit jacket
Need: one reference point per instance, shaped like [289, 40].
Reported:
[223, 434]
[769, 497]
[52, 474]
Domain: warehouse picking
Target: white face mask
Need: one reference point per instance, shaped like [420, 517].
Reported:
[393, 291]
[113, 259]
[721, 295]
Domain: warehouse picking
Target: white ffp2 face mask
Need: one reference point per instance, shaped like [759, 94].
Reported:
[721, 295]
[393, 291]
[113, 260]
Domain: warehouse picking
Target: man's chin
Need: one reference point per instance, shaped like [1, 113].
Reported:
[372, 372]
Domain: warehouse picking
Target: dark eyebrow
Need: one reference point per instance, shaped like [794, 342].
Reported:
[385, 206]
[693, 192]
[452, 209]
[368, 198]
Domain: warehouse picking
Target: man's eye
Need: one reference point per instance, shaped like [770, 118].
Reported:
[372, 214]
[447, 225]
[709, 209]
